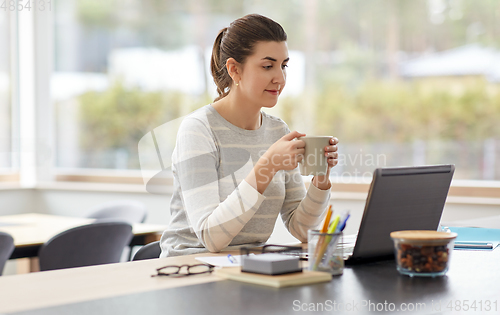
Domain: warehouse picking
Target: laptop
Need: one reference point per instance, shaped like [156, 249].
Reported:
[402, 198]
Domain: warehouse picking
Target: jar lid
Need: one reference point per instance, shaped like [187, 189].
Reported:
[423, 235]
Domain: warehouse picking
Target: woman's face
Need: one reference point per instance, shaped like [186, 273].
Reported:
[263, 74]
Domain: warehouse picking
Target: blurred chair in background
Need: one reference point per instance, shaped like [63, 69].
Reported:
[86, 245]
[130, 211]
[148, 251]
[6, 249]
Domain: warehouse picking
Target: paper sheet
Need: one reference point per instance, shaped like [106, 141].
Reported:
[221, 261]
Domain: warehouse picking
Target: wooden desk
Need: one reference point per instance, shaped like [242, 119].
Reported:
[58, 287]
[31, 230]
[128, 288]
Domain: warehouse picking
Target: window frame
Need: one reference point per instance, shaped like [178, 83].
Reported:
[31, 128]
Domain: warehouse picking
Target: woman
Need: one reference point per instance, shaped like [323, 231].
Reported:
[235, 167]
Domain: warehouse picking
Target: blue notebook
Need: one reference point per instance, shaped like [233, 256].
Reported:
[476, 238]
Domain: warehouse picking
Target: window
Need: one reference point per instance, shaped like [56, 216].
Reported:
[398, 82]
[7, 158]
[119, 74]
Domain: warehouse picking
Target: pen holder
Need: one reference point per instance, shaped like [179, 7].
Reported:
[325, 252]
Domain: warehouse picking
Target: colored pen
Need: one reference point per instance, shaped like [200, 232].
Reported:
[340, 227]
[473, 245]
[231, 259]
[334, 224]
[324, 229]
[329, 250]
[324, 244]
[343, 222]
[327, 219]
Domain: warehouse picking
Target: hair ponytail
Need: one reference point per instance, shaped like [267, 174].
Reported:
[218, 68]
[238, 41]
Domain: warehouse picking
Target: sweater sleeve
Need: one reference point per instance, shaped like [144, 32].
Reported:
[195, 162]
[302, 210]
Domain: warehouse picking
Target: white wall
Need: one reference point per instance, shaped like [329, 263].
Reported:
[78, 203]
[15, 201]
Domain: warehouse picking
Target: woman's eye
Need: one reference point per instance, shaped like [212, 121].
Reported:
[267, 67]
[284, 66]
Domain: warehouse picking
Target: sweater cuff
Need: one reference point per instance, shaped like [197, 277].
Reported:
[250, 196]
[318, 194]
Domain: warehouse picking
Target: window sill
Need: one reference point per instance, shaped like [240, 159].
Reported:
[133, 177]
[459, 188]
[9, 178]
[92, 187]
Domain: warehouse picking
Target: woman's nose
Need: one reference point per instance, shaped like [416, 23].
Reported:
[280, 77]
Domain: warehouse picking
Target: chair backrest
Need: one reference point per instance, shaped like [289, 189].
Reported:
[130, 211]
[6, 249]
[86, 245]
[148, 251]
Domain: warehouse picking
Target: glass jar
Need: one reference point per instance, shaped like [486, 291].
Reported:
[423, 253]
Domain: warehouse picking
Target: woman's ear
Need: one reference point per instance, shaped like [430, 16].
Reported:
[234, 69]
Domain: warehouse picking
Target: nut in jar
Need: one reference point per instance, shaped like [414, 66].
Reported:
[423, 253]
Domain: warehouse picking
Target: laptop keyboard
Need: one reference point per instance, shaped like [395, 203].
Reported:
[348, 245]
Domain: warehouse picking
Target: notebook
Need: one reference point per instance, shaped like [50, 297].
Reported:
[277, 281]
[476, 238]
[402, 198]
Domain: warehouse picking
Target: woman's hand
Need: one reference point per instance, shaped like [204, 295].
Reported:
[332, 158]
[331, 153]
[284, 154]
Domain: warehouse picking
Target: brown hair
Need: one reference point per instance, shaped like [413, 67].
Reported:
[238, 41]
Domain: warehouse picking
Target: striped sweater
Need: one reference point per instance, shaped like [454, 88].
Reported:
[213, 207]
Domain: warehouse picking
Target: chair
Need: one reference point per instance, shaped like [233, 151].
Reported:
[129, 211]
[86, 245]
[6, 249]
[148, 251]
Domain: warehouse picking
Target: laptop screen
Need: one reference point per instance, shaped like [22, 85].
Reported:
[403, 198]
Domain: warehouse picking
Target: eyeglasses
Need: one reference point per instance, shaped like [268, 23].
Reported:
[183, 270]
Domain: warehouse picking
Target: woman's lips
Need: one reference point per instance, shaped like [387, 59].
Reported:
[273, 92]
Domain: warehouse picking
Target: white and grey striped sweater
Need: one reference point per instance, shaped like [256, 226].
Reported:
[213, 207]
